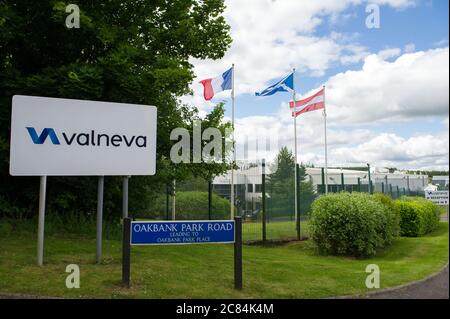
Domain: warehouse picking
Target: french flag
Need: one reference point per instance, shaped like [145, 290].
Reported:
[312, 103]
[215, 85]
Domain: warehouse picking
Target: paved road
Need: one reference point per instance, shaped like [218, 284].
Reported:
[433, 288]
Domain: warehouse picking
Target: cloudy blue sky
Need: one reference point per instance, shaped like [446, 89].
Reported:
[387, 88]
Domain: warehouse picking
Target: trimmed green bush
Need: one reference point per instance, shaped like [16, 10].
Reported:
[355, 224]
[190, 205]
[391, 228]
[418, 216]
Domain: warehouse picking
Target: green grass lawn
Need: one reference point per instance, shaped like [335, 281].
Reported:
[275, 230]
[293, 270]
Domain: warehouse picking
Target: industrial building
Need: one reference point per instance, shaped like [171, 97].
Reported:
[248, 182]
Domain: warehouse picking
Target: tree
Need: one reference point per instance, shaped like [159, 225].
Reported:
[124, 51]
[281, 185]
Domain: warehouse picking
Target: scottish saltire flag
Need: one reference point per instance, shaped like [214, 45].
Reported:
[218, 84]
[284, 85]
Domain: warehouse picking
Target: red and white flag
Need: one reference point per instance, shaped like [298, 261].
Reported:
[312, 103]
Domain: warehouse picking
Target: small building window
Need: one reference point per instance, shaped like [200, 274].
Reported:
[250, 188]
[258, 188]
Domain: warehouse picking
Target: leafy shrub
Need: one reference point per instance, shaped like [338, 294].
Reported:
[190, 205]
[391, 228]
[418, 216]
[356, 224]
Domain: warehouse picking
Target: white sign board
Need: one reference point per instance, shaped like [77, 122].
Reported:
[51, 136]
[437, 197]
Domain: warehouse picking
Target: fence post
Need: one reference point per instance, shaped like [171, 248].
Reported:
[323, 181]
[263, 189]
[382, 187]
[359, 184]
[371, 187]
[238, 252]
[167, 200]
[209, 198]
[407, 183]
[370, 179]
[297, 221]
[386, 178]
[398, 192]
[342, 182]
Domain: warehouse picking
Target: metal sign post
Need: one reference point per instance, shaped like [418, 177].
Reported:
[41, 220]
[100, 187]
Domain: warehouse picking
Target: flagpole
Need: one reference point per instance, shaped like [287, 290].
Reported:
[295, 146]
[326, 144]
[234, 146]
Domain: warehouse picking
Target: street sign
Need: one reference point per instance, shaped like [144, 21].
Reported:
[438, 197]
[181, 232]
[62, 137]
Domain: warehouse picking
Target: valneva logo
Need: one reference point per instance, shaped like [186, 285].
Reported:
[86, 139]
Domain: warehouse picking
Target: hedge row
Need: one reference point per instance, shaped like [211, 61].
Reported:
[189, 206]
[418, 216]
[356, 224]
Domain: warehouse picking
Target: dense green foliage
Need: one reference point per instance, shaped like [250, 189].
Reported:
[355, 224]
[124, 51]
[280, 186]
[391, 227]
[418, 216]
[189, 205]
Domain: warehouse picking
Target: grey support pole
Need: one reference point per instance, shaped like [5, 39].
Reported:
[41, 220]
[297, 198]
[125, 197]
[101, 183]
[263, 198]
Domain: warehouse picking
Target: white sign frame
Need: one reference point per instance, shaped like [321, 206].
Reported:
[92, 138]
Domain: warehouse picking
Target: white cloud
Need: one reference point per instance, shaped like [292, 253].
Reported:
[398, 4]
[270, 37]
[391, 150]
[409, 48]
[414, 85]
[389, 53]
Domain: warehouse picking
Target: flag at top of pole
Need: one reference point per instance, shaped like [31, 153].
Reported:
[284, 85]
[311, 103]
[218, 84]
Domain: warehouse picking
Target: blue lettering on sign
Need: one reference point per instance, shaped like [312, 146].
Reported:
[182, 232]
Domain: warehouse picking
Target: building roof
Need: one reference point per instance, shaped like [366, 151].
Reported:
[440, 178]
